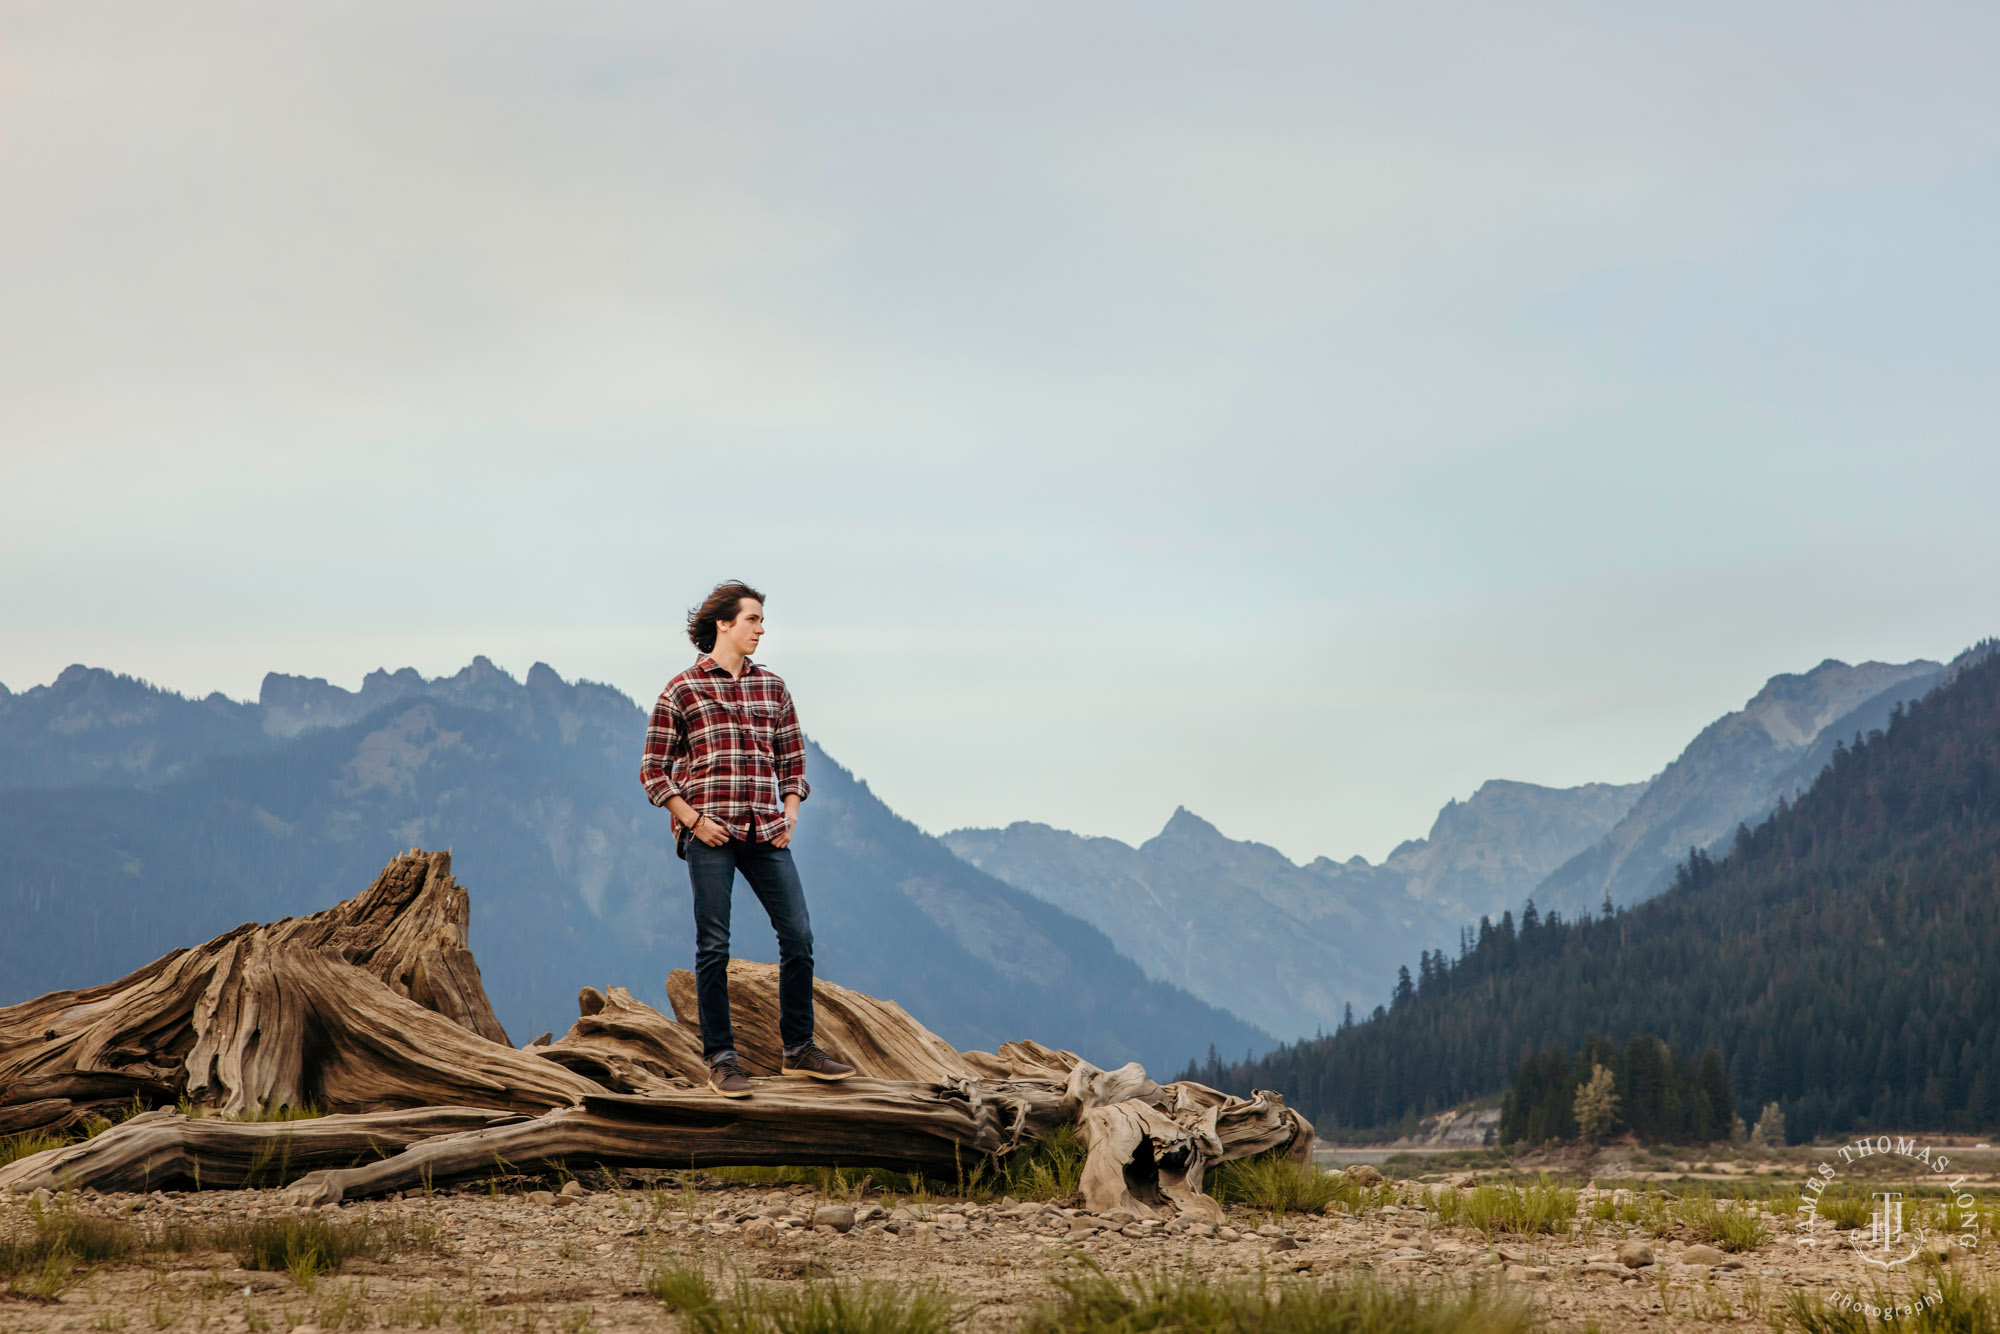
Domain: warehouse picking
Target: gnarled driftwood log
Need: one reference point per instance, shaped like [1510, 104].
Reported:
[374, 1009]
[166, 1150]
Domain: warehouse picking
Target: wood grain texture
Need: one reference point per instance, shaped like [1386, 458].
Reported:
[374, 1010]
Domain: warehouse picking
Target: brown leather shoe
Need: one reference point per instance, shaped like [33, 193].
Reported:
[729, 1079]
[812, 1063]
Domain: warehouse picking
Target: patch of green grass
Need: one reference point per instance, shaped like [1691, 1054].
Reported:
[1784, 1205]
[303, 1245]
[63, 1244]
[1274, 1182]
[1050, 1170]
[1527, 1210]
[1956, 1304]
[1450, 1160]
[423, 1310]
[680, 1288]
[1611, 1209]
[282, 1112]
[814, 1308]
[1730, 1227]
[1093, 1302]
[1846, 1210]
[13, 1148]
[345, 1306]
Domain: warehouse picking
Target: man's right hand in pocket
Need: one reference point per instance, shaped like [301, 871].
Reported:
[709, 832]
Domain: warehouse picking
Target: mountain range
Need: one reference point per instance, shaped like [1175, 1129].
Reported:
[134, 820]
[1198, 909]
[1842, 956]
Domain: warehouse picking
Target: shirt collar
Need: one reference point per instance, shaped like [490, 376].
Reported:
[704, 663]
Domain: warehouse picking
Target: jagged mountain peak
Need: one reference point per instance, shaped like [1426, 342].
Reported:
[295, 704]
[1734, 771]
[1185, 824]
[91, 726]
[1793, 708]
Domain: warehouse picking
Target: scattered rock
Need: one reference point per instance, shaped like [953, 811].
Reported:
[1363, 1174]
[1284, 1243]
[1709, 1255]
[1635, 1255]
[1526, 1274]
[39, 1197]
[1609, 1268]
[540, 1197]
[566, 1201]
[1228, 1234]
[836, 1216]
[574, 1188]
[1513, 1255]
[761, 1232]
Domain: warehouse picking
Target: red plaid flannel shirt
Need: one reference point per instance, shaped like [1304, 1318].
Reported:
[728, 746]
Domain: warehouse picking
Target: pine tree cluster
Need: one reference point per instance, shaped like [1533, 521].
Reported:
[1655, 1094]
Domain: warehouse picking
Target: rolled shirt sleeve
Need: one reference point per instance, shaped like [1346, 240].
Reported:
[788, 750]
[666, 741]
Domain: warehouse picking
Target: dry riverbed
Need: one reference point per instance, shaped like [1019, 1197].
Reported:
[587, 1260]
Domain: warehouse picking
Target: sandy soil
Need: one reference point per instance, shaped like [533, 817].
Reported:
[534, 1262]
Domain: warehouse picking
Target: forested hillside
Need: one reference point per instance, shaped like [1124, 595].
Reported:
[1844, 957]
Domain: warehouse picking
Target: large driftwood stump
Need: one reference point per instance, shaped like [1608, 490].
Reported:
[374, 1010]
[374, 1003]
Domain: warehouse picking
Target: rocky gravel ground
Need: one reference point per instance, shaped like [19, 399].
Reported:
[581, 1260]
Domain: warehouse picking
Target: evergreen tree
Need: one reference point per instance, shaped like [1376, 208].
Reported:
[1597, 1106]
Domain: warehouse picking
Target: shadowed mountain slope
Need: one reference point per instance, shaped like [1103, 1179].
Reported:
[534, 785]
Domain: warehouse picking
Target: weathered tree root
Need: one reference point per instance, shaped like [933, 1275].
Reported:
[374, 1010]
[166, 1150]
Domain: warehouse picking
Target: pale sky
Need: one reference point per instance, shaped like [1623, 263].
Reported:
[1300, 413]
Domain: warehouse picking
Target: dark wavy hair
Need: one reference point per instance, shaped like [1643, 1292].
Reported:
[720, 605]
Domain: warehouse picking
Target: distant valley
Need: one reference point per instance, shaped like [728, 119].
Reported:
[1201, 910]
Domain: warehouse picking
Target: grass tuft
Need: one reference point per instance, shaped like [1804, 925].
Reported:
[63, 1244]
[1957, 1304]
[13, 1148]
[309, 1245]
[1846, 1210]
[1050, 1170]
[1093, 1302]
[1526, 1210]
[816, 1308]
[1274, 1182]
[1730, 1228]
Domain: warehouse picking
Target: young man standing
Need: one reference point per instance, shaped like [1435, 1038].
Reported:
[725, 755]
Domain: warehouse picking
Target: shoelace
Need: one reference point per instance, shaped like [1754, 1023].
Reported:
[805, 1054]
[727, 1068]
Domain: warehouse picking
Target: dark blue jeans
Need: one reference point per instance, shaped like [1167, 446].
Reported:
[712, 872]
